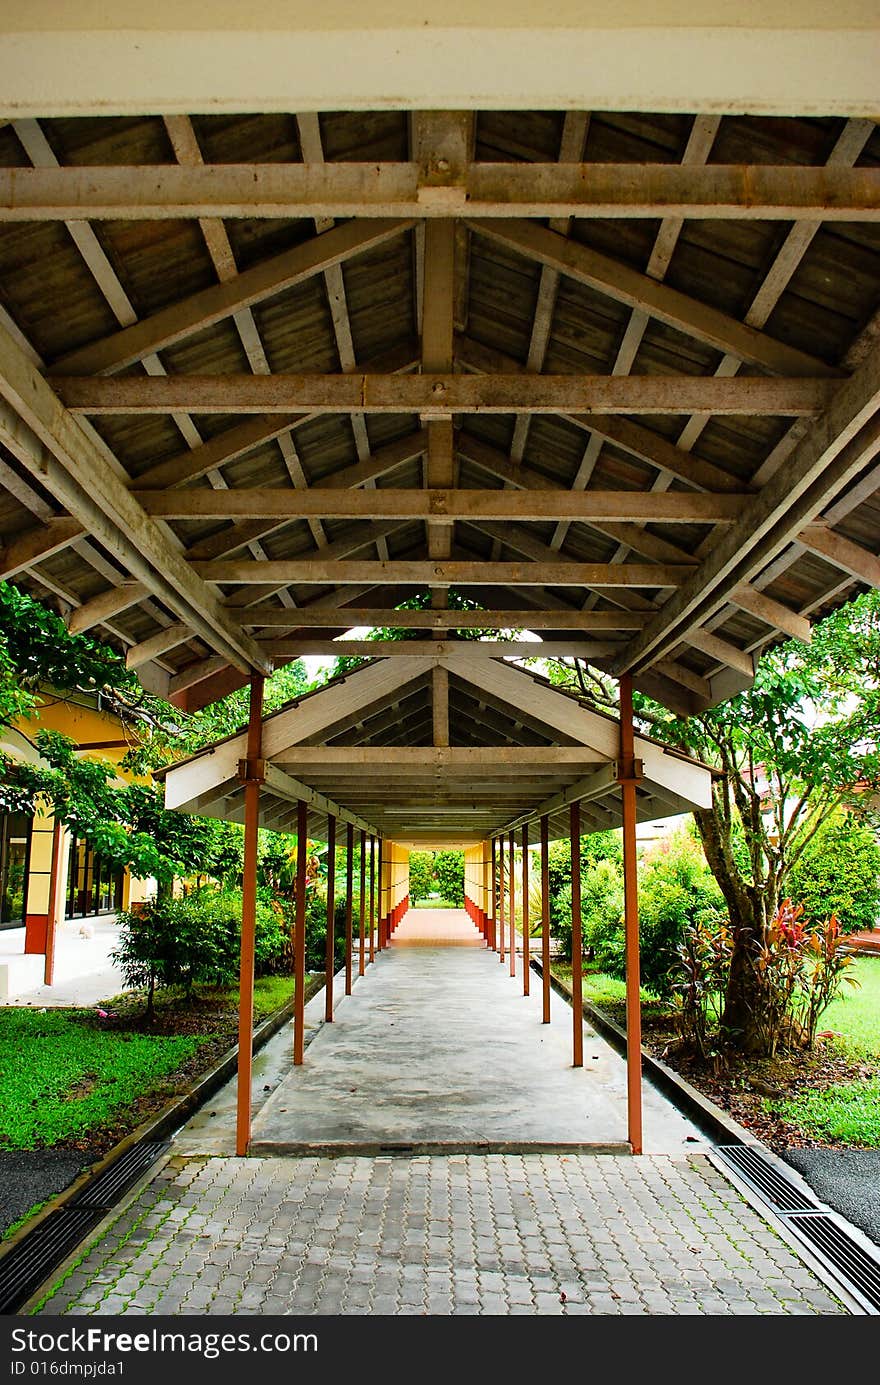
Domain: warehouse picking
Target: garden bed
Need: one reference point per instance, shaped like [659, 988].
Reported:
[73, 1083]
[827, 1098]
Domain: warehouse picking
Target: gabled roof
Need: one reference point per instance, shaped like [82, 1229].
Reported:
[369, 746]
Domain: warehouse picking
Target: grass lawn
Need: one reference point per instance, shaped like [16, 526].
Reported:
[67, 1077]
[855, 1014]
[849, 1113]
[62, 1075]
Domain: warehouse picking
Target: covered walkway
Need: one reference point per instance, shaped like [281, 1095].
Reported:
[438, 1051]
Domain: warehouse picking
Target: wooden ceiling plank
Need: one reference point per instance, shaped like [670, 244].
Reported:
[202, 309]
[832, 455]
[696, 151]
[626, 285]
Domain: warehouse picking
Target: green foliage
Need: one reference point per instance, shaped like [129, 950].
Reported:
[601, 916]
[676, 891]
[36, 649]
[449, 874]
[801, 966]
[839, 873]
[849, 1112]
[421, 875]
[595, 848]
[62, 1075]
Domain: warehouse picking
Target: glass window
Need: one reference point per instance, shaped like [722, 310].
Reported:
[15, 850]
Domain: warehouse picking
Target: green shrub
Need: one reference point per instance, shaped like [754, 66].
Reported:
[194, 941]
[677, 891]
[839, 873]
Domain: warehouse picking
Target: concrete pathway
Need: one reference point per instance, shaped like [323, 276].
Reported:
[460, 1233]
[84, 973]
[438, 1050]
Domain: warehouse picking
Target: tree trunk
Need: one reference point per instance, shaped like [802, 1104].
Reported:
[743, 1000]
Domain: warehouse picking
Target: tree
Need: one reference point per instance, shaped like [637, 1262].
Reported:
[801, 742]
[449, 874]
[421, 875]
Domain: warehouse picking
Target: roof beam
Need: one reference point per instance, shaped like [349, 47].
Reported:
[424, 760]
[283, 786]
[105, 606]
[440, 395]
[773, 613]
[81, 478]
[482, 190]
[349, 617]
[490, 649]
[319, 571]
[631, 437]
[850, 557]
[671, 507]
[36, 544]
[646, 294]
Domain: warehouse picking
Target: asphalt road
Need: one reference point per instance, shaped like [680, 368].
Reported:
[33, 1175]
[847, 1179]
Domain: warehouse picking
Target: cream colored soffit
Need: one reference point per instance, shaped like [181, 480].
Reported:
[178, 56]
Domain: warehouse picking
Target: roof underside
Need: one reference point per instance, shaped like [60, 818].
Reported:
[361, 748]
[638, 408]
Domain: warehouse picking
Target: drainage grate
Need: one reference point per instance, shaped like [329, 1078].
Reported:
[856, 1268]
[27, 1264]
[766, 1179]
[108, 1187]
[25, 1267]
[848, 1258]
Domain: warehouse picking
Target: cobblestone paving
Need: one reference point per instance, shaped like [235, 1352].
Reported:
[470, 1234]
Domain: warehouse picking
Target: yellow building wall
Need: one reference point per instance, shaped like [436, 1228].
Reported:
[87, 725]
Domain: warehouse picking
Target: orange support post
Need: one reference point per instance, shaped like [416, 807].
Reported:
[628, 782]
[52, 913]
[512, 892]
[330, 953]
[577, 941]
[299, 937]
[362, 920]
[525, 907]
[349, 874]
[545, 917]
[248, 917]
[372, 898]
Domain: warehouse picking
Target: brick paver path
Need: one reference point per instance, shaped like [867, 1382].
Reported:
[487, 1234]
